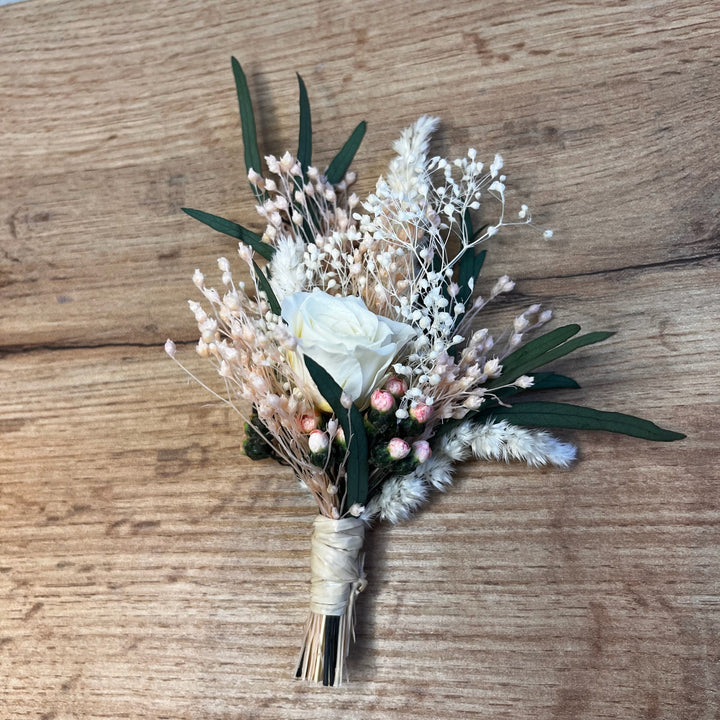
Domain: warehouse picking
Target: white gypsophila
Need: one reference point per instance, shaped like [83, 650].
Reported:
[287, 270]
[418, 211]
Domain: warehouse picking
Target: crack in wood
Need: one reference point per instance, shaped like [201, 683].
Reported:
[677, 262]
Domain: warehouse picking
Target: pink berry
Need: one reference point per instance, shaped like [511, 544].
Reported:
[382, 401]
[398, 449]
[397, 386]
[421, 412]
[421, 450]
[308, 422]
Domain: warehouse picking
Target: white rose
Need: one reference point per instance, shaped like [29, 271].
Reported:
[352, 344]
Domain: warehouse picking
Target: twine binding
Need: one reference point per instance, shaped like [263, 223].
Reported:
[337, 578]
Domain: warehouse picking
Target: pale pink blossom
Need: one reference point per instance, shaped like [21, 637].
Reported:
[396, 385]
[421, 412]
[308, 422]
[421, 450]
[398, 448]
[382, 401]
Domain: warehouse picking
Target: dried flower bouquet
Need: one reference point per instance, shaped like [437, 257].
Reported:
[356, 355]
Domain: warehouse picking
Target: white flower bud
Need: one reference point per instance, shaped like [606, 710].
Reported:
[318, 441]
[286, 162]
[492, 367]
[473, 402]
[255, 178]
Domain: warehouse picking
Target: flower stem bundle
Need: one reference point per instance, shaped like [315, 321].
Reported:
[355, 353]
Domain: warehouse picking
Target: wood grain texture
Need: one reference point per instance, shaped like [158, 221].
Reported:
[148, 569]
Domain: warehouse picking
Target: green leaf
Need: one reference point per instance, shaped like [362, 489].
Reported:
[552, 381]
[341, 162]
[228, 227]
[466, 265]
[247, 122]
[572, 345]
[467, 225]
[479, 261]
[562, 415]
[553, 354]
[352, 424]
[304, 153]
[469, 267]
[525, 363]
[267, 289]
[480, 231]
[525, 355]
[470, 263]
[542, 381]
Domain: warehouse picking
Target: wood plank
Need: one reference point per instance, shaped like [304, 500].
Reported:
[78, 130]
[148, 569]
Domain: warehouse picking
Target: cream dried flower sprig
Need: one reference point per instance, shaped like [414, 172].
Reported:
[356, 355]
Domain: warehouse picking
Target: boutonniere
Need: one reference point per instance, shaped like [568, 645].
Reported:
[355, 351]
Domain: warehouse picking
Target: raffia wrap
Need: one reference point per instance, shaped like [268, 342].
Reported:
[336, 564]
[337, 578]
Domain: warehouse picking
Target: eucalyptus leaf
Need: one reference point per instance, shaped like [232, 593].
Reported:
[341, 162]
[562, 415]
[247, 122]
[228, 227]
[525, 354]
[304, 153]
[267, 289]
[541, 381]
[352, 424]
[552, 354]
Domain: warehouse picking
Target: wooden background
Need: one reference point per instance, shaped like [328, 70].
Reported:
[148, 569]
